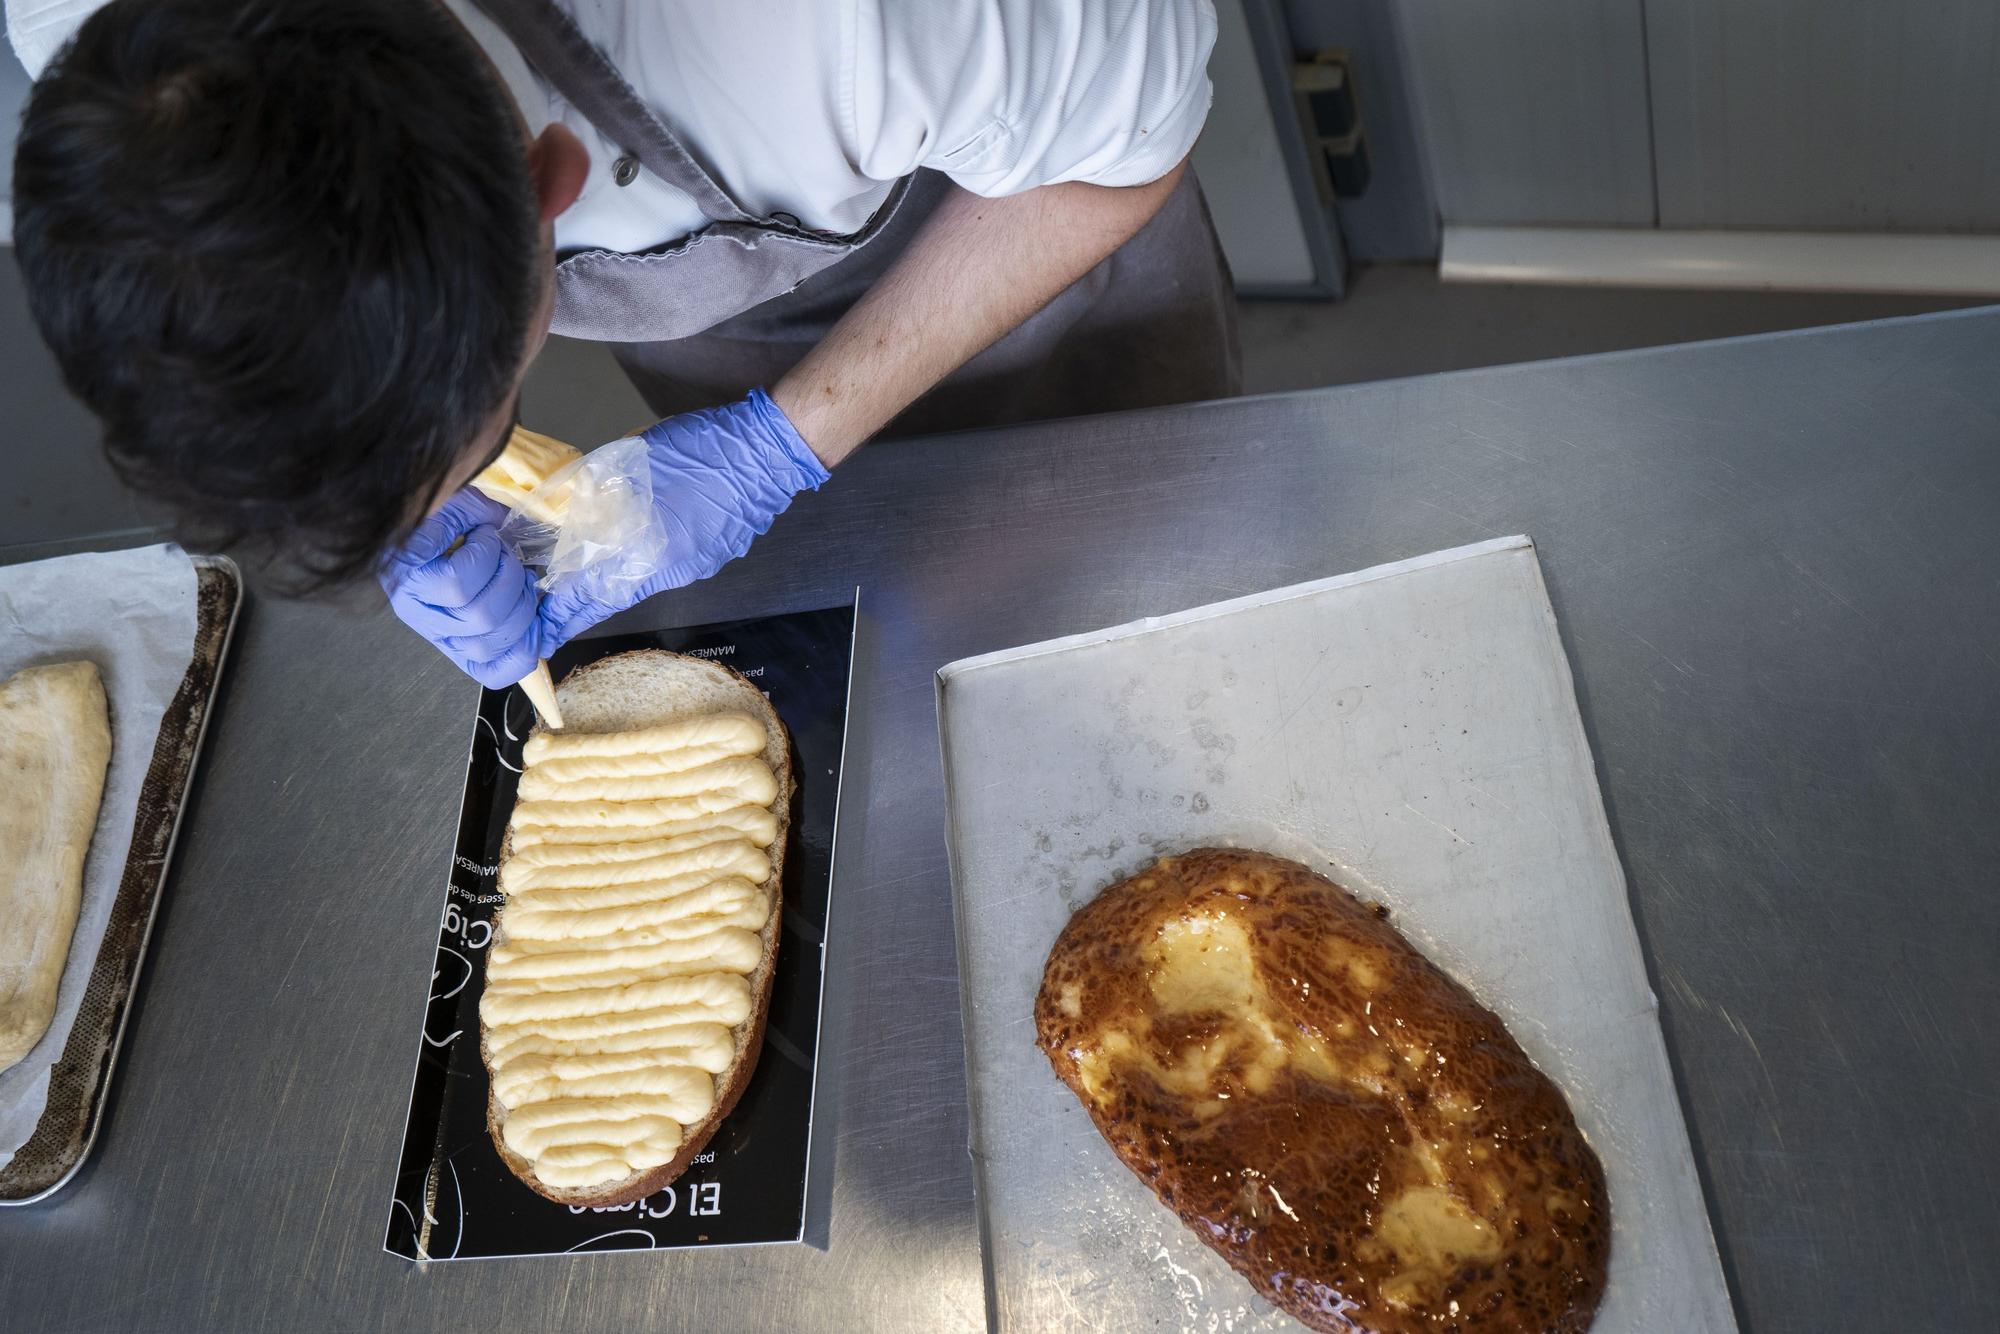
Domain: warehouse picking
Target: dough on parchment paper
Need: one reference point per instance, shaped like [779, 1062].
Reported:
[55, 743]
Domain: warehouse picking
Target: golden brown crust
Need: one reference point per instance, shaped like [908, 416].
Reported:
[749, 1035]
[1324, 1107]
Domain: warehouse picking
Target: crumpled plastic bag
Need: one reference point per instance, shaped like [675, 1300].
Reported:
[610, 535]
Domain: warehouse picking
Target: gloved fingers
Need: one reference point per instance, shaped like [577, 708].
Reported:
[575, 602]
[501, 617]
[566, 611]
[500, 598]
[455, 580]
[432, 622]
[467, 509]
[503, 670]
[425, 544]
[429, 622]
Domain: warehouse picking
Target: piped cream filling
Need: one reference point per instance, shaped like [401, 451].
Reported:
[597, 865]
[747, 779]
[573, 768]
[544, 855]
[752, 822]
[739, 730]
[635, 892]
[577, 915]
[639, 819]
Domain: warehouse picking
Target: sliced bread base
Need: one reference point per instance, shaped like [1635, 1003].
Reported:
[622, 693]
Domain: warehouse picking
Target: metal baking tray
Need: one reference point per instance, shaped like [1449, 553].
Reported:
[1412, 728]
[80, 1080]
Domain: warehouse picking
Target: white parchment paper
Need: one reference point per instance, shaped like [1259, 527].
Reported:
[133, 614]
[1413, 730]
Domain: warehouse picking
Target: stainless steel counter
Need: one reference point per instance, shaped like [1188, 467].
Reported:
[1777, 566]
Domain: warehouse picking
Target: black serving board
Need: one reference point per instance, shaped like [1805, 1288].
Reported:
[454, 1198]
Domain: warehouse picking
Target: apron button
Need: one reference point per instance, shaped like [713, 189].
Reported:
[625, 170]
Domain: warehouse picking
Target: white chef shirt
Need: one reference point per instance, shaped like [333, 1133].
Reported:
[815, 107]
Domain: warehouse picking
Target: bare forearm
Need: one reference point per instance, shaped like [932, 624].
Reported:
[978, 268]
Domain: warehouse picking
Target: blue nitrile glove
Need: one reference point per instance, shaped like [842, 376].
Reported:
[720, 477]
[475, 602]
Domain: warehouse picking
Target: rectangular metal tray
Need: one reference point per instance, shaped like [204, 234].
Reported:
[1412, 728]
[80, 1081]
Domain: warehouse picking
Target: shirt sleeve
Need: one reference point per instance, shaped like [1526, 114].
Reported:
[37, 29]
[1006, 95]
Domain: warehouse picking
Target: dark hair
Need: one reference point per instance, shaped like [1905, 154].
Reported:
[287, 250]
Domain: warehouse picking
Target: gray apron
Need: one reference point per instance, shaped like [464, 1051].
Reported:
[707, 318]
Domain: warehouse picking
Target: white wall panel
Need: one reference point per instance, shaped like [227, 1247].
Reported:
[1844, 114]
[1535, 111]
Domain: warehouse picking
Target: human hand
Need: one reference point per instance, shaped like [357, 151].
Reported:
[454, 584]
[720, 477]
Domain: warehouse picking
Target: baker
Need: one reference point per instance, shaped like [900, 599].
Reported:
[298, 255]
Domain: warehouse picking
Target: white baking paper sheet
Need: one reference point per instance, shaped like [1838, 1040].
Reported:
[1412, 729]
[133, 614]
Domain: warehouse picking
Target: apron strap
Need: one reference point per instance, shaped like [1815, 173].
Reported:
[549, 39]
